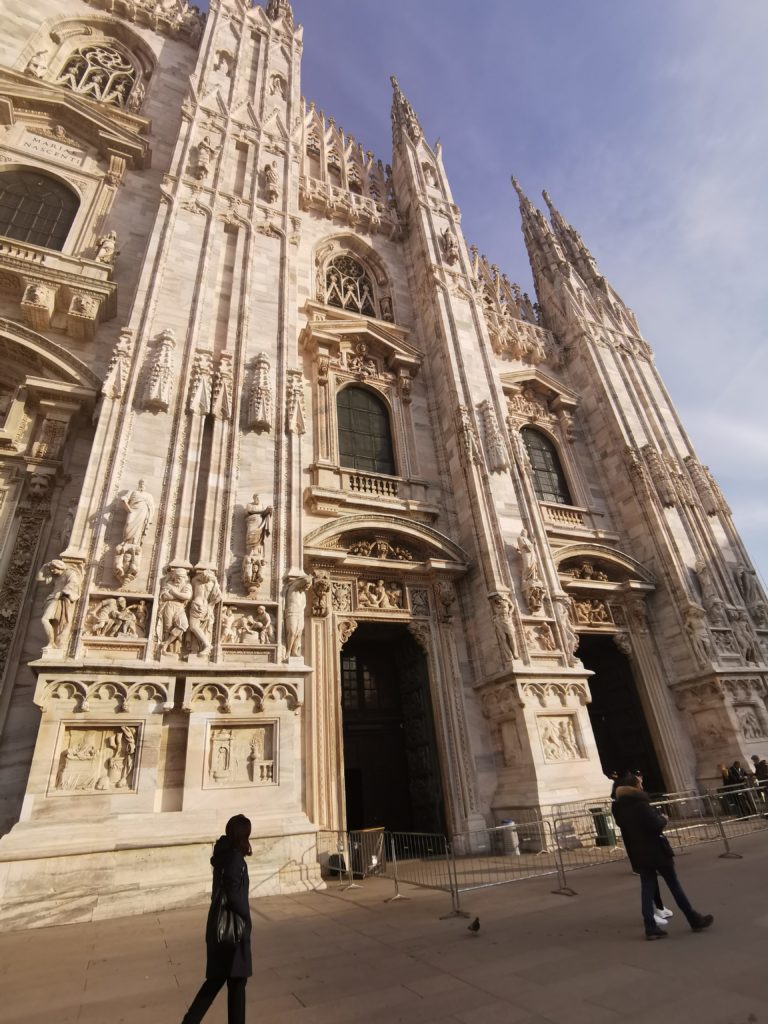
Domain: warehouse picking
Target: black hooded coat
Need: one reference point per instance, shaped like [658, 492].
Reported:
[231, 872]
[642, 828]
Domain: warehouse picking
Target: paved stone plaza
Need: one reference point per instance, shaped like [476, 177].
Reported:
[327, 957]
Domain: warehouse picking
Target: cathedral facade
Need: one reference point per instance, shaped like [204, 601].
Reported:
[306, 510]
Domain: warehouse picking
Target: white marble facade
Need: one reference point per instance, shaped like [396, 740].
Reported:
[183, 553]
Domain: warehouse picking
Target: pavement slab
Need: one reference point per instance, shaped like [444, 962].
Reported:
[343, 957]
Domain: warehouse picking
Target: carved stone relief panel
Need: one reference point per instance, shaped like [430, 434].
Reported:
[117, 618]
[241, 755]
[96, 759]
[379, 595]
[419, 600]
[243, 626]
[559, 739]
[591, 612]
[341, 598]
[749, 723]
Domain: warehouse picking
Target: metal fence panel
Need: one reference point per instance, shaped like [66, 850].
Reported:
[505, 853]
[418, 858]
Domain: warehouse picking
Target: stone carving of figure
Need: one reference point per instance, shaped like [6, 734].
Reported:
[161, 377]
[172, 621]
[544, 638]
[449, 247]
[127, 561]
[228, 619]
[66, 584]
[743, 635]
[37, 65]
[321, 587]
[258, 626]
[257, 530]
[746, 580]
[567, 739]
[750, 725]
[69, 522]
[550, 743]
[257, 525]
[378, 596]
[206, 151]
[136, 98]
[563, 606]
[120, 762]
[206, 594]
[271, 188]
[709, 595]
[533, 587]
[106, 248]
[140, 510]
[502, 622]
[698, 634]
[295, 605]
[446, 595]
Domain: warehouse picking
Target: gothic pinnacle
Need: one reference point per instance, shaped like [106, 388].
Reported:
[403, 115]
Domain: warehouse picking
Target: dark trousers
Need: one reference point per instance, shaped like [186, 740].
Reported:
[649, 884]
[208, 992]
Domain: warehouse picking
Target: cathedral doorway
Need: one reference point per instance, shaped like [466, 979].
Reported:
[391, 767]
[618, 722]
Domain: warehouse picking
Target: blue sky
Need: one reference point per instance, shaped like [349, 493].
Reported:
[647, 124]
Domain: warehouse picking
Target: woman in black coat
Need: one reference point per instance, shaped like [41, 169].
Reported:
[227, 963]
[650, 854]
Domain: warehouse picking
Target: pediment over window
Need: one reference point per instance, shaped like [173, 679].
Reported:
[364, 539]
[331, 334]
[61, 115]
[596, 566]
[542, 385]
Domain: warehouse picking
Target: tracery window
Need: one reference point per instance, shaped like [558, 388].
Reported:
[35, 208]
[101, 72]
[549, 481]
[348, 286]
[365, 440]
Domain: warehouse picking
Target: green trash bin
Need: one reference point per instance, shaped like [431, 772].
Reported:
[605, 829]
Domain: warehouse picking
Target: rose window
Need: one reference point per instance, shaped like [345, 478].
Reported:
[100, 72]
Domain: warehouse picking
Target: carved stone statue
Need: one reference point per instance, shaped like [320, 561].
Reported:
[159, 387]
[533, 586]
[140, 510]
[127, 561]
[37, 66]
[256, 628]
[136, 98]
[295, 605]
[206, 594]
[113, 617]
[698, 634]
[257, 530]
[206, 151]
[743, 635]
[713, 604]
[106, 248]
[501, 608]
[449, 247]
[66, 585]
[321, 587]
[749, 588]
[172, 621]
[271, 187]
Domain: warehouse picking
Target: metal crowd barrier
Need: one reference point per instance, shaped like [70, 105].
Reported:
[578, 835]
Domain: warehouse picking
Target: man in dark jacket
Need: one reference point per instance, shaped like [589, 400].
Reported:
[650, 853]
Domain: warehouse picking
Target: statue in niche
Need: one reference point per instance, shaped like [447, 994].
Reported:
[749, 588]
[271, 188]
[743, 635]
[295, 605]
[698, 634]
[709, 595]
[257, 531]
[127, 562]
[533, 586]
[206, 594]
[66, 585]
[106, 248]
[172, 621]
[69, 523]
[501, 608]
[449, 247]
[140, 510]
[37, 66]
[206, 151]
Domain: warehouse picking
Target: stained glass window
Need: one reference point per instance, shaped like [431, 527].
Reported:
[365, 441]
[548, 478]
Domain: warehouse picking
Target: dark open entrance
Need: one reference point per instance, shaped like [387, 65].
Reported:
[391, 768]
[617, 717]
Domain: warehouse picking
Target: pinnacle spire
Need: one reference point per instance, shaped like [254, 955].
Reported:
[280, 9]
[573, 244]
[403, 115]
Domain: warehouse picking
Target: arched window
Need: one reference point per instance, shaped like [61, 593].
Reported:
[35, 208]
[348, 286]
[100, 72]
[548, 477]
[365, 441]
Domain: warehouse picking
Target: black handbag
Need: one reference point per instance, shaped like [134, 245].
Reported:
[230, 926]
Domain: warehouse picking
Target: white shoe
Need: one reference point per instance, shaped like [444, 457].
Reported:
[665, 913]
[660, 921]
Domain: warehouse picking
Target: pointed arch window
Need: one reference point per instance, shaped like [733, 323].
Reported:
[348, 286]
[35, 208]
[549, 481]
[100, 72]
[365, 438]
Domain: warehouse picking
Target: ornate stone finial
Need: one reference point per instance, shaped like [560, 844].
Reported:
[517, 188]
[403, 115]
[277, 9]
[159, 386]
